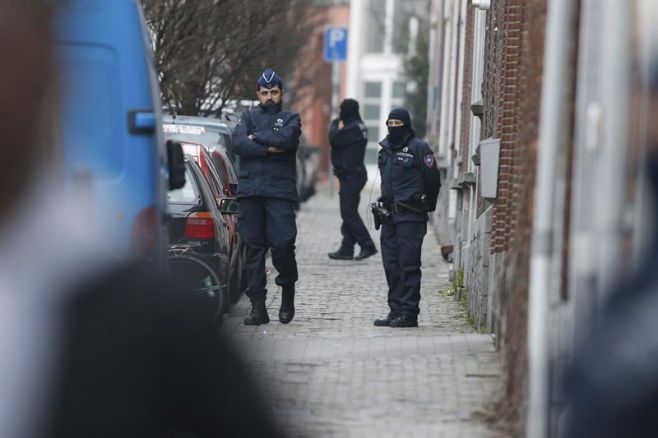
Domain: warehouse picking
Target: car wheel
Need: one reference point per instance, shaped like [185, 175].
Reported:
[201, 280]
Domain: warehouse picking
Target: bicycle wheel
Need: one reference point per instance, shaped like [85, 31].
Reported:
[201, 280]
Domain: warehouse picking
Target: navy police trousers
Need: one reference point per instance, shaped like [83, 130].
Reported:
[268, 223]
[401, 245]
[353, 228]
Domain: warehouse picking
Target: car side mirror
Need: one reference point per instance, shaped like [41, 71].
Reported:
[229, 206]
[142, 122]
[176, 165]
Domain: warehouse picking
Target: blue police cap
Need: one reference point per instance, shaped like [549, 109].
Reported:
[269, 79]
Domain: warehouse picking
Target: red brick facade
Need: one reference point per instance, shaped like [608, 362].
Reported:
[466, 97]
[503, 73]
[514, 48]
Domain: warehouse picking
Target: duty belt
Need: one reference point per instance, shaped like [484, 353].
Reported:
[398, 207]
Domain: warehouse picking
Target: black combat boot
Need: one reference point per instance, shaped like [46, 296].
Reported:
[384, 322]
[258, 315]
[341, 255]
[404, 321]
[366, 252]
[287, 310]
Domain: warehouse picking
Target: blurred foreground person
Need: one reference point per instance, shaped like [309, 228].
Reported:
[90, 346]
[410, 187]
[266, 140]
[348, 137]
[612, 383]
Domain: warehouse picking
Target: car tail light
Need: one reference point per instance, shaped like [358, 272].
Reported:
[202, 163]
[199, 225]
[144, 232]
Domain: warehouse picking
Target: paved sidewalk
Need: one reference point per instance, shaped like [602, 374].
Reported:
[331, 373]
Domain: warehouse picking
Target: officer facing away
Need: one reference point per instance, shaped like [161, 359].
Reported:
[266, 140]
[348, 137]
[410, 187]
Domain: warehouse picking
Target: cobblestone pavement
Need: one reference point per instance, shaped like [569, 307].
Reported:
[331, 373]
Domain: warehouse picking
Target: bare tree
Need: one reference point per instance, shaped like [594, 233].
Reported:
[211, 51]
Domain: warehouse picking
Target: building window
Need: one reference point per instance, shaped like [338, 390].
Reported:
[399, 90]
[372, 105]
[398, 94]
[372, 109]
[373, 90]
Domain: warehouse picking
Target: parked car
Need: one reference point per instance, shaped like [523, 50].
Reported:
[197, 222]
[223, 192]
[226, 168]
[201, 130]
[197, 130]
[214, 134]
[109, 120]
[307, 158]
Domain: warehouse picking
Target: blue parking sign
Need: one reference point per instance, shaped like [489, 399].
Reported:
[335, 44]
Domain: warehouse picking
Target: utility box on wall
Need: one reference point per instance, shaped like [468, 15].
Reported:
[489, 157]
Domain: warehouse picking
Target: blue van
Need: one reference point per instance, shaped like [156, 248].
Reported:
[110, 120]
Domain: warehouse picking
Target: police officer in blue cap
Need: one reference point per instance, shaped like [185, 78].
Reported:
[266, 140]
[348, 137]
[410, 187]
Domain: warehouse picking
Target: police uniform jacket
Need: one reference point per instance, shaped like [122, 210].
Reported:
[263, 174]
[408, 171]
[348, 147]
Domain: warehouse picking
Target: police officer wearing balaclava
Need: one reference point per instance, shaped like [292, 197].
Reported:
[266, 140]
[410, 187]
[348, 137]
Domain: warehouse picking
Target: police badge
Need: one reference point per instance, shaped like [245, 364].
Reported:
[429, 160]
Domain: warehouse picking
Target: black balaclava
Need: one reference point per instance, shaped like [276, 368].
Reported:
[349, 110]
[269, 79]
[398, 134]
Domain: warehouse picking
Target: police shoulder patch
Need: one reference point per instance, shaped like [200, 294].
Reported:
[429, 160]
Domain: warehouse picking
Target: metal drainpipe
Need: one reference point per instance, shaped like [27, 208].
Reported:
[444, 117]
[609, 220]
[551, 138]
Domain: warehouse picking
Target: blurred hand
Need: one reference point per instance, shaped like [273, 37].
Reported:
[341, 125]
[274, 150]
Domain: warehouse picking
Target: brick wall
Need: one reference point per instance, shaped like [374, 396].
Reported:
[491, 70]
[514, 47]
[507, 118]
[466, 95]
[520, 99]
[490, 82]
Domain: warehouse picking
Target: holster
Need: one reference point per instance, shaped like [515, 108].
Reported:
[380, 214]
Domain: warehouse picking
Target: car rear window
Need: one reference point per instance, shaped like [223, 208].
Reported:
[194, 133]
[188, 194]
